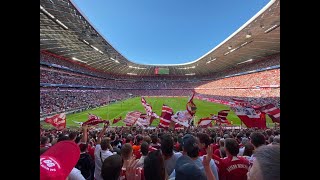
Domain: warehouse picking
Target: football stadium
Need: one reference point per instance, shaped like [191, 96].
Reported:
[105, 116]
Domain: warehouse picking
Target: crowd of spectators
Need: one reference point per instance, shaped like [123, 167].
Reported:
[270, 78]
[254, 65]
[54, 76]
[54, 100]
[259, 88]
[160, 154]
[265, 78]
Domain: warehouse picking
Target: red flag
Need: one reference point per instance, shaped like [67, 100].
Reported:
[165, 117]
[272, 111]
[93, 120]
[250, 117]
[116, 120]
[205, 122]
[191, 107]
[58, 121]
[148, 108]
[222, 117]
[131, 118]
[177, 126]
[143, 120]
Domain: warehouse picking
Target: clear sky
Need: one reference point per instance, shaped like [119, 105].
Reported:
[167, 31]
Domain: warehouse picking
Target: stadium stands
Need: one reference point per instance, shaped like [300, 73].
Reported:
[67, 86]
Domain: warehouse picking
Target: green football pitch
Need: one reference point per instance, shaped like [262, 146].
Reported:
[121, 108]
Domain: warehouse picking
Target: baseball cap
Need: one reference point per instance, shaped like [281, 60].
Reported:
[186, 169]
[189, 143]
[58, 161]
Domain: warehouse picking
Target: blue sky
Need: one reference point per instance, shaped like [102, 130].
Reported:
[167, 31]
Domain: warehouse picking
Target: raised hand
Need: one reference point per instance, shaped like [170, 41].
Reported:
[132, 170]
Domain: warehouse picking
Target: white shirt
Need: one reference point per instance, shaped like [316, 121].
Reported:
[75, 174]
[171, 162]
[241, 150]
[97, 160]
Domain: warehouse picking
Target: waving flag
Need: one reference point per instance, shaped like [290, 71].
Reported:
[205, 122]
[94, 120]
[148, 108]
[143, 121]
[165, 117]
[131, 118]
[58, 121]
[222, 117]
[116, 120]
[191, 107]
[184, 118]
[272, 111]
[250, 117]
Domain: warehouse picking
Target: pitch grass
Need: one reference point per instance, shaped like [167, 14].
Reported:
[204, 109]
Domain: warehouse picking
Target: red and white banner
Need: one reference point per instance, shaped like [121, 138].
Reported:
[272, 111]
[58, 121]
[182, 117]
[250, 117]
[165, 117]
[144, 120]
[205, 122]
[131, 118]
[148, 108]
[222, 117]
[94, 120]
[191, 107]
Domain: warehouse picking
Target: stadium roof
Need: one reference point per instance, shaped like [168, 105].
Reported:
[65, 31]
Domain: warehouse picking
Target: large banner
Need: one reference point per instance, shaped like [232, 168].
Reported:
[250, 117]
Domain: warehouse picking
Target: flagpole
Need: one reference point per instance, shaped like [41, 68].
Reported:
[108, 106]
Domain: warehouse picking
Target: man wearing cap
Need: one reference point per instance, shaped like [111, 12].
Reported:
[190, 146]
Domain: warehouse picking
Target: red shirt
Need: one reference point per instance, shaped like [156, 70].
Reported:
[218, 161]
[202, 152]
[217, 153]
[136, 151]
[91, 151]
[234, 169]
[215, 146]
